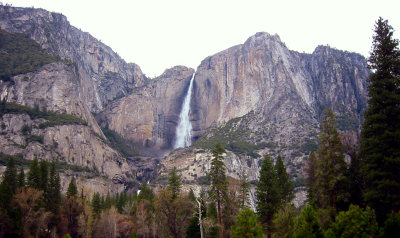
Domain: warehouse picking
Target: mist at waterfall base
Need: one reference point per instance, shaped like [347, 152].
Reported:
[184, 128]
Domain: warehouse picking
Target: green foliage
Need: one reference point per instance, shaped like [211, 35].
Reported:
[34, 138]
[218, 180]
[380, 144]
[307, 225]
[72, 190]
[233, 136]
[53, 119]
[330, 186]
[284, 221]
[212, 211]
[391, 228]
[356, 222]
[96, 203]
[247, 226]
[19, 55]
[193, 229]
[146, 193]
[10, 175]
[34, 174]
[43, 175]
[244, 190]
[53, 193]
[21, 178]
[116, 141]
[8, 185]
[174, 183]
[18, 160]
[284, 184]
[267, 193]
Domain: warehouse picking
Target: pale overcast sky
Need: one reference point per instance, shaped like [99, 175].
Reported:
[157, 35]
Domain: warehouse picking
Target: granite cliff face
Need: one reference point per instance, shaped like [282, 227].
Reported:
[55, 88]
[262, 98]
[150, 114]
[285, 87]
[258, 95]
[103, 75]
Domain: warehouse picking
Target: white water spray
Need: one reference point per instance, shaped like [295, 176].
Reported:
[184, 128]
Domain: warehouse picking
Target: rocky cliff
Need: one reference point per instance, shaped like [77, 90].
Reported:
[262, 98]
[255, 98]
[150, 114]
[55, 88]
[284, 86]
[103, 75]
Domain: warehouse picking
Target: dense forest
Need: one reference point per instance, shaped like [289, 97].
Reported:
[355, 197]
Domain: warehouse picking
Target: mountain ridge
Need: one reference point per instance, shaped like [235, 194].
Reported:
[277, 94]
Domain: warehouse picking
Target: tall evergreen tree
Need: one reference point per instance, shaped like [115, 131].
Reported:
[21, 178]
[244, 190]
[331, 166]
[284, 183]
[53, 193]
[43, 175]
[267, 194]
[219, 184]
[96, 203]
[307, 224]
[174, 183]
[380, 143]
[247, 226]
[311, 177]
[8, 185]
[10, 175]
[72, 190]
[34, 174]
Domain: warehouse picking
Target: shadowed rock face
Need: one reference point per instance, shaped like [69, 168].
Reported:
[150, 114]
[286, 89]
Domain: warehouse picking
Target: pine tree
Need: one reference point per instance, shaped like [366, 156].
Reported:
[53, 194]
[10, 175]
[247, 226]
[267, 194]
[8, 185]
[34, 175]
[244, 190]
[72, 190]
[96, 203]
[311, 177]
[380, 143]
[284, 183]
[146, 193]
[307, 224]
[43, 175]
[331, 166]
[219, 184]
[174, 183]
[21, 178]
[107, 202]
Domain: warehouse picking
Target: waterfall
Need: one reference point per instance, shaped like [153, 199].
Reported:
[184, 128]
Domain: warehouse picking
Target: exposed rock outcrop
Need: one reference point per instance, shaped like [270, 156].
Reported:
[103, 75]
[286, 89]
[150, 114]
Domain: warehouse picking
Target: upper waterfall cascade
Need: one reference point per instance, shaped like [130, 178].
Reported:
[184, 128]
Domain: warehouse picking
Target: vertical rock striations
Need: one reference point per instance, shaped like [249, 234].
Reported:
[150, 114]
[287, 90]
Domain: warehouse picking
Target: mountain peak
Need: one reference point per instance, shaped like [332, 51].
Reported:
[262, 38]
